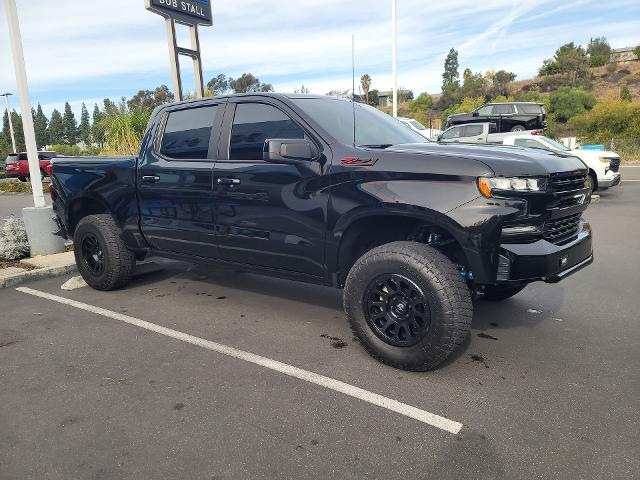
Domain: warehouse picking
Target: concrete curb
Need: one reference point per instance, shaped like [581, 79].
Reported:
[38, 274]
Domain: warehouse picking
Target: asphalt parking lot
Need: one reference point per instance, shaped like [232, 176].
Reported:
[546, 386]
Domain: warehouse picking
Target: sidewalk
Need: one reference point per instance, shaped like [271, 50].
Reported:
[36, 268]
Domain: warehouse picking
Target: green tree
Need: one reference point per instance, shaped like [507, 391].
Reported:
[40, 124]
[467, 105]
[97, 133]
[84, 129]
[124, 129]
[625, 94]
[473, 84]
[17, 131]
[55, 130]
[374, 97]
[247, 83]
[150, 99]
[365, 83]
[567, 102]
[571, 61]
[451, 76]
[220, 84]
[609, 118]
[69, 125]
[502, 81]
[599, 51]
[636, 51]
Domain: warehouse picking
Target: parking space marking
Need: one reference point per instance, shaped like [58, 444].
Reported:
[423, 416]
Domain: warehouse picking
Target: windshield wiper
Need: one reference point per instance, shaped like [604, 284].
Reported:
[380, 146]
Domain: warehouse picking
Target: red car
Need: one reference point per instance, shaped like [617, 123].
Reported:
[17, 165]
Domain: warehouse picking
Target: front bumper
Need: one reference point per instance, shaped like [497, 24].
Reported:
[543, 260]
[610, 181]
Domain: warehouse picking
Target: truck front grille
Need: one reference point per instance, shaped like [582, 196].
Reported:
[614, 164]
[567, 189]
[562, 228]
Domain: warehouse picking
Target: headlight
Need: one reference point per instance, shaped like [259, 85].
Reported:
[489, 185]
[605, 159]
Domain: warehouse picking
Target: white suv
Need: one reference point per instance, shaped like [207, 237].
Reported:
[603, 165]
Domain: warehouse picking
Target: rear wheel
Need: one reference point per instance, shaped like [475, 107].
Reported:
[496, 293]
[22, 179]
[518, 128]
[407, 305]
[103, 260]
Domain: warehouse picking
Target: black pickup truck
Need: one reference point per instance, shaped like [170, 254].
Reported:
[287, 185]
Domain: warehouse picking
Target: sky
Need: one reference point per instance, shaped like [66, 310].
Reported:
[83, 51]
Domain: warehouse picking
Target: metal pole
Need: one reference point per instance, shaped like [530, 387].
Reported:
[197, 62]
[13, 137]
[394, 42]
[173, 58]
[25, 107]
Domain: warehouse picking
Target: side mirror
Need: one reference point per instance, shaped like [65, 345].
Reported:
[439, 138]
[288, 150]
[475, 113]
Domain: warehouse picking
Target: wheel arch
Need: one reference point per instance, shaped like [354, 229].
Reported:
[369, 228]
[83, 206]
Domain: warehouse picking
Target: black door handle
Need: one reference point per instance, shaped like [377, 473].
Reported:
[228, 181]
[150, 178]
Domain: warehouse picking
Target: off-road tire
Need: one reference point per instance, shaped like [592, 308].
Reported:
[118, 262]
[497, 293]
[447, 298]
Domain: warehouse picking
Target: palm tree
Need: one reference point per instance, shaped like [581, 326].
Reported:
[365, 82]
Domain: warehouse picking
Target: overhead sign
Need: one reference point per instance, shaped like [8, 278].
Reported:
[190, 12]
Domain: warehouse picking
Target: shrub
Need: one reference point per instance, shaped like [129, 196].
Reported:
[611, 67]
[569, 102]
[13, 239]
[610, 118]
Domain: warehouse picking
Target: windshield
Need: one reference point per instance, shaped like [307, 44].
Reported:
[373, 127]
[416, 124]
[556, 145]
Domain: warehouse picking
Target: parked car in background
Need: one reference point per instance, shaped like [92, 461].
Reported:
[428, 133]
[508, 117]
[17, 165]
[486, 132]
[603, 165]
[280, 184]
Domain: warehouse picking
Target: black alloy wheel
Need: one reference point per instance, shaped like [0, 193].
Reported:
[92, 254]
[396, 310]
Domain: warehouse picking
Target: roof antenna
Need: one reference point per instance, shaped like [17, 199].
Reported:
[353, 85]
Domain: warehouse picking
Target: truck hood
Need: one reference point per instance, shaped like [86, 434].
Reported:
[505, 161]
[459, 117]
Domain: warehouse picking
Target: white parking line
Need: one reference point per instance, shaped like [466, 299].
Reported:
[443, 423]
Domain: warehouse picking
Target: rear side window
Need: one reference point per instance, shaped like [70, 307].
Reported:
[472, 130]
[529, 109]
[188, 132]
[253, 124]
[503, 109]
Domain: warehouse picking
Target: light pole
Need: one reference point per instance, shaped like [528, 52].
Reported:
[13, 137]
[38, 219]
[394, 56]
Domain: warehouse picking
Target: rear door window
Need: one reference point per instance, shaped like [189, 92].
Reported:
[187, 133]
[254, 123]
[472, 131]
[503, 109]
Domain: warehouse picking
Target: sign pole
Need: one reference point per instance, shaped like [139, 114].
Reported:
[174, 58]
[190, 13]
[394, 56]
[25, 107]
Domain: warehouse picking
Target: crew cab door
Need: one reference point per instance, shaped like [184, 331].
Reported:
[268, 214]
[175, 180]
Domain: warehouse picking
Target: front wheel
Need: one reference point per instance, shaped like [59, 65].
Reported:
[22, 179]
[103, 260]
[591, 183]
[408, 305]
